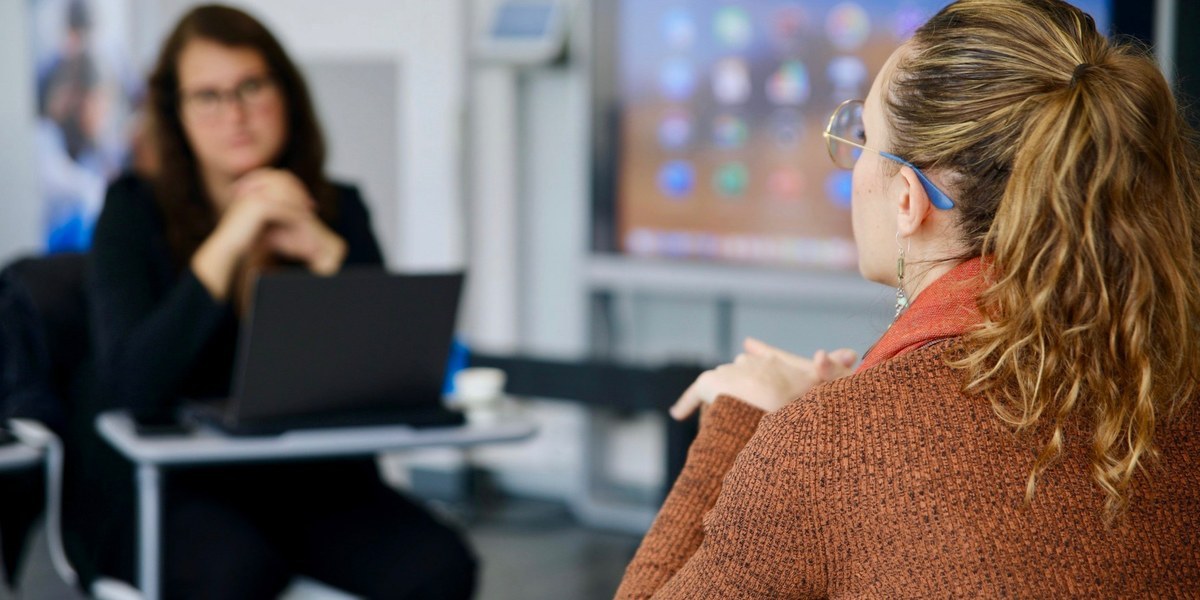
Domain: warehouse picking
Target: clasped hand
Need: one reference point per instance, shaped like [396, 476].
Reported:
[270, 213]
[765, 377]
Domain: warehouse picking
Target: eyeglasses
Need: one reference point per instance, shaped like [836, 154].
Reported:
[845, 137]
[251, 93]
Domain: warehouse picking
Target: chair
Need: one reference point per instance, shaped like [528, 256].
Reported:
[45, 301]
[21, 498]
[25, 392]
[46, 338]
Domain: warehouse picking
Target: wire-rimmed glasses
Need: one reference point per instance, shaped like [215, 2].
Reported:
[845, 138]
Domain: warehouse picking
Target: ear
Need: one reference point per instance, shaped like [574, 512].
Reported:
[912, 203]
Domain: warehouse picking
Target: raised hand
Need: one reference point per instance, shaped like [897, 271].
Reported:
[765, 377]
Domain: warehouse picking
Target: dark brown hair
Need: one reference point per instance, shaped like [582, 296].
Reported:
[1077, 181]
[178, 187]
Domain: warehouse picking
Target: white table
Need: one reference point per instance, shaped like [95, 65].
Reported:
[16, 455]
[206, 446]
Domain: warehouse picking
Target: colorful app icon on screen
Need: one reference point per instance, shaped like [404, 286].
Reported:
[838, 188]
[736, 247]
[641, 241]
[848, 25]
[790, 85]
[731, 180]
[677, 79]
[732, 27]
[787, 128]
[848, 75]
[675, 130]
[675, 243]
[679, 29]
[676, 179]
[730, 132]
[706, 245]
[731, 81]
[785, 185]
[789, 25]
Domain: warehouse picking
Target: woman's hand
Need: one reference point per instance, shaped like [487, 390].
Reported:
[308, 241]
[765, 377]
[305, 239]
[261, 198]
[271, 210]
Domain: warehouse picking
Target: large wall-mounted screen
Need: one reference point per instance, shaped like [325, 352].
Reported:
[710, 118]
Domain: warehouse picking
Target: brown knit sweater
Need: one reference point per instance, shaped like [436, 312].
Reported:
[892, 483]
[870, 487]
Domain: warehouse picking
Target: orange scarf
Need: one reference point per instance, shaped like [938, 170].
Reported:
[945, 309]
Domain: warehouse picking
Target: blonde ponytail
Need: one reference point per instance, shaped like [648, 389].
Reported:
[1078, 183]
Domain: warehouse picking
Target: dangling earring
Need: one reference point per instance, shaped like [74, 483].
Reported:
[901, 297]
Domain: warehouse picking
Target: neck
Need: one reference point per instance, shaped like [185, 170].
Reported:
[219, 188]
[923, 275]
[931, 253]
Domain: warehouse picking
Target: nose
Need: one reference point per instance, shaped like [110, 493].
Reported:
[235, 108]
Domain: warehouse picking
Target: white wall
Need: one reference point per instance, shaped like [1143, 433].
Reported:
[20, 207]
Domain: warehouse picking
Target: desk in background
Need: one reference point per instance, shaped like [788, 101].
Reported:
[15, 455]
[207, 446]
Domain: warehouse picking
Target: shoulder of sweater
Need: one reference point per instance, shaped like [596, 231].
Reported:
[915, 378]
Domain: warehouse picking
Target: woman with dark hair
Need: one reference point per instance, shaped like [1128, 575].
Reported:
[1026, 427]
[238, 188]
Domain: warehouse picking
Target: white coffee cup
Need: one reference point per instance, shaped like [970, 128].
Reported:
[479, 387]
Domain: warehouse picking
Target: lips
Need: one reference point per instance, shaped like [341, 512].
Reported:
[240, 141]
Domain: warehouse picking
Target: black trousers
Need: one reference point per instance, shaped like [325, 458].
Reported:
[22, 495]
[246, 531]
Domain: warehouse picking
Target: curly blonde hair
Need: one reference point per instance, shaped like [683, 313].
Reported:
[1077, 178]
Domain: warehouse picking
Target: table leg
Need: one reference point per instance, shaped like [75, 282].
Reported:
[149, 536]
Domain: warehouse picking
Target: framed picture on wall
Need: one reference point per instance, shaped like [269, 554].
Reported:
[87, 87]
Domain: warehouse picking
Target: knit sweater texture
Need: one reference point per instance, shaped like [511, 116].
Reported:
[894, 483]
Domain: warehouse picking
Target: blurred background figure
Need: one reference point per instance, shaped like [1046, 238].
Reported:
[239, 187]
[85, 89]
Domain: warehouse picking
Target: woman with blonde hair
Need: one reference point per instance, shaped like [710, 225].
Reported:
[1026, 427]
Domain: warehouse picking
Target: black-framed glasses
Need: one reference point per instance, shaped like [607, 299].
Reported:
[209, 103]
[846, 136]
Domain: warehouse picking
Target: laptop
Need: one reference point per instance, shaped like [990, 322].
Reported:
[360, 348]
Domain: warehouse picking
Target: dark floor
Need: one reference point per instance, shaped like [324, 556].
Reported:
[534, 550]
[531, 550]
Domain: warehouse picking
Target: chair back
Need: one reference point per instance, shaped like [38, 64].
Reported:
[54, 287]
[44, 343]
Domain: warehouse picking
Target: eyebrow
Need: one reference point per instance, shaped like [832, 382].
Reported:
[238, 81]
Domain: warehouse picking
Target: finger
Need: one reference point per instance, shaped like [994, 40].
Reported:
[287, 215]
[687, 403]
[277, 186]
[757, 347]
[253, 179]
[844, 357]
[824, 365]
[828, 369]
[836, 364]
